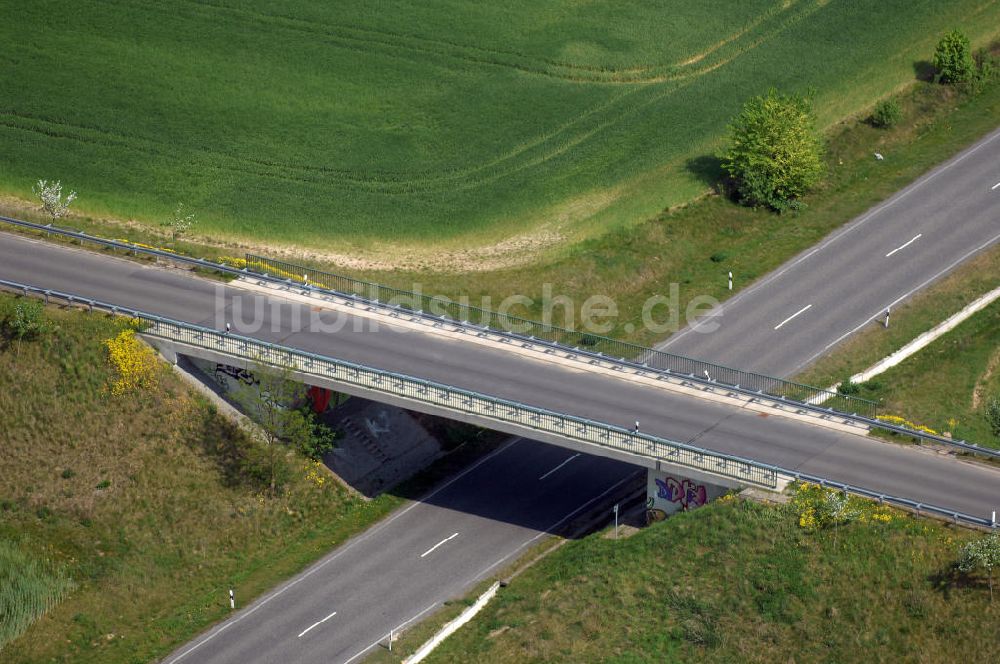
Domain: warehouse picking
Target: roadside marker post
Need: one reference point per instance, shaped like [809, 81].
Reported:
[887, 318]
[615, 509]
[730, 281]
[232, 599]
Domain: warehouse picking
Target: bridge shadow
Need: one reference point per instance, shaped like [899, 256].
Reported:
[490, 475]
[447, 465]
[509, 485]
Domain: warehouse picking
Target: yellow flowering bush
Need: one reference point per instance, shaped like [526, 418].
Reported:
[232, 261]
[903, 422]
[819, 507]
[316, 474]
[135, 363]
[145, 246]
[241, 263]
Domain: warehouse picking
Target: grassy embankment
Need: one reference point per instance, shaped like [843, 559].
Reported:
[946, 385]
[348, 128]
[739, 581]
[134, 514]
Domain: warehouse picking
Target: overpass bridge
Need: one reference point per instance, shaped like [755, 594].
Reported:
[578, 406]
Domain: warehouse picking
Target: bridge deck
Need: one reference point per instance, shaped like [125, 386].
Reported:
[784, 442]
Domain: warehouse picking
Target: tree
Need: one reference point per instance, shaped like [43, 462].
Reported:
[50, 194]
[993, 416]
[276, 402]
[775, 154]
[27, 322]
[953, 58]
[181, 223]
[983, 553]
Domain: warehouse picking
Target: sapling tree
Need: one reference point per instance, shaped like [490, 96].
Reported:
[181, 223]
[981, 554]
[50, 195]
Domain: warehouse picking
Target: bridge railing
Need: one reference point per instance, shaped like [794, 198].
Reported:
[582, 342]
[428, 392]
[802, 397]
[745, 471]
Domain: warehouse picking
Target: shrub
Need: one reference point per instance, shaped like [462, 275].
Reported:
[848, 388]
[28, 589]
[953, 58]
[775, 154]
[134, 362]
[886, 114]
[992, 415]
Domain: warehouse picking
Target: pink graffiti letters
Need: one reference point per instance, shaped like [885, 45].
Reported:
[685, 492]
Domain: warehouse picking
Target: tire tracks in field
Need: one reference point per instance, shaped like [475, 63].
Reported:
[529, 154]
[367, 41]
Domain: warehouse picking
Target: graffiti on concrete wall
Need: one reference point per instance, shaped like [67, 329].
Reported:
[667, 493]
[223, 372]
[685, 492]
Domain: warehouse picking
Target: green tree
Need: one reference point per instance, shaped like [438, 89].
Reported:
[993, 416]
[27, 322]
[277, 403]
[774, 154]
[983, 553]
[953, 58]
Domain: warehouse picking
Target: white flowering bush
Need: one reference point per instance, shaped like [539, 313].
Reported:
[181, 223]
[50, 194]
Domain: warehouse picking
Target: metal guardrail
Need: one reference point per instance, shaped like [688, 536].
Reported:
[606, 347]
[648, 359]
[738, 468]
[725, 377]
[431, 393]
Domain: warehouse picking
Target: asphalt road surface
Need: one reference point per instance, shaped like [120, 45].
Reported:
[406, 566]
[784, 442]
[822, 296]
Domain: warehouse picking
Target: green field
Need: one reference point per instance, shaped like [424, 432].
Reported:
[345, 125]
[737, 581]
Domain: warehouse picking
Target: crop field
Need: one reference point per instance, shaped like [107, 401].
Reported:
[358, 126]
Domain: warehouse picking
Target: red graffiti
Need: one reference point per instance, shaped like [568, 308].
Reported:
[320, 398]
[685, 492]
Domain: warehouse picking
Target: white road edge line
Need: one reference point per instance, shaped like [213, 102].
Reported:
[898, 300]
[318, 622]
[904, 246]
[347, 545]
[802, 310]
[483, 573]
[895, 198]
[450, 537]
[995, 186]
[559, 466]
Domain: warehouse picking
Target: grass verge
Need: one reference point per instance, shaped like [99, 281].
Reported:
[740, 581]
